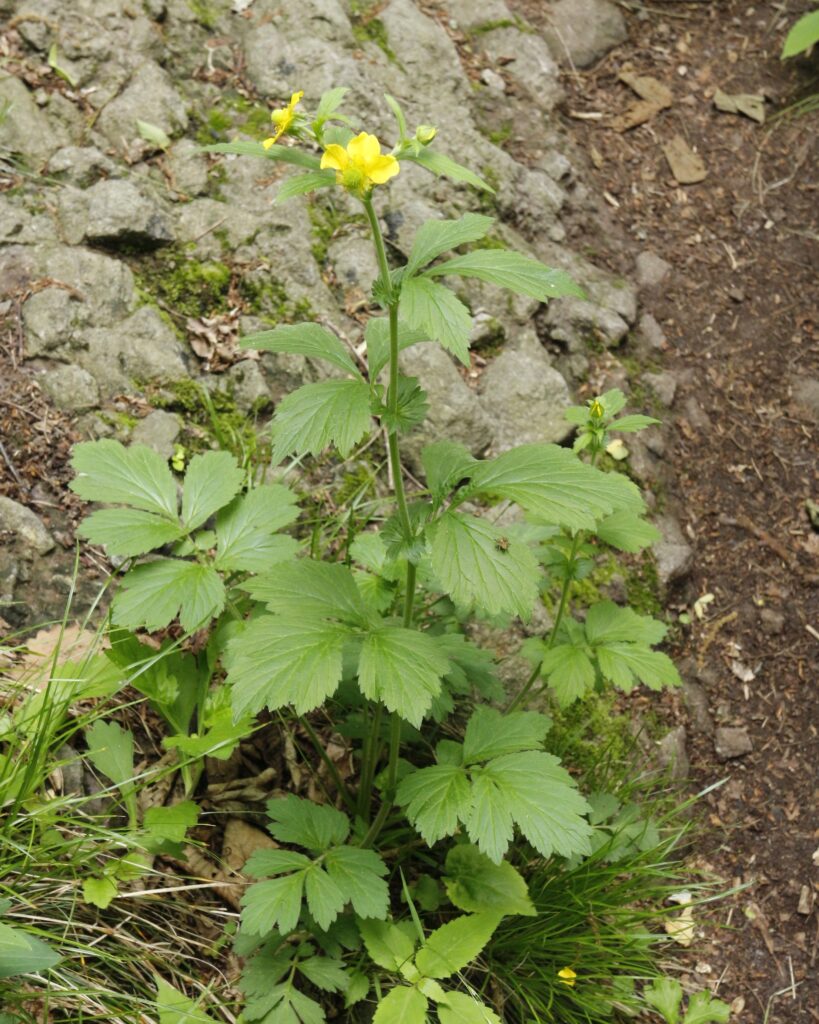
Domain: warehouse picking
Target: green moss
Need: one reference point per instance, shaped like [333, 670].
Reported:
[207, 14]
[367, 28]
[490, 26]
[498, 136]
[583, 732]
[326, 221]
[186, 286]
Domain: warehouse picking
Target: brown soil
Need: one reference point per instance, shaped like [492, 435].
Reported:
[740, 315]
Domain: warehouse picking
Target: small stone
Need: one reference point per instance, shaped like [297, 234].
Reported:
[583, 31]
[151, 97]
[354, 261]
[696, 415]
[805, 394]
[672, 754]
[731, 742]
[470, 16]
[71, 388]
[773, 622]
[188, 166]
[527, 60]
[649, 335]
[579, 323]
[25, 129]
[24, 526]
[696, 702]
[664, 386]
[651, 270]
[159, 430]
[492, 80]
[80, 165]
[119, 214]
[248, 386]
[673, 553]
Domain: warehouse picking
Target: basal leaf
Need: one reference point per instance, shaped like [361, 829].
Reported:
[317, 415]
[512, 270]
[704, 1009]
[304, 339]
[388, 945]
[402, 1005]
[314, 826]
[439, 236]
[280, 660]
[435, 798]
[275, 903]
[129, 531]
[570, 672]
[360, 875]
[665, 995]
[627, 531]
[455, 945]
[153, 594]
[626, 664]
[478, 566]
[212, 481]
[435, 310]
[245, 529]
[311, 588]
[107, 471]
[99, 892]
[377, 337]
[111, 751]
[403, 669]
[171, 823]
[461, 1008]
[552, 484]
[490, 733]
[324, 898]
[476, 884]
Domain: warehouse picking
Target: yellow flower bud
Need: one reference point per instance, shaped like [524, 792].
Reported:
[596, 410]
[425, 133]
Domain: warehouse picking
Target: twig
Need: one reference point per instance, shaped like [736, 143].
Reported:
[11, 466]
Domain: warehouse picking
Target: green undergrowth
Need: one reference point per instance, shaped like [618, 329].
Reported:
[187, 286]
[369, 28]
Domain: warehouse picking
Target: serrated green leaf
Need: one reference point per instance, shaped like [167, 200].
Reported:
[314, 826]
[325, 973]
[446, 463]
[154, 134]
[176, 1008]
[476, 884]
[377, 337]
[360, 876]
[512, 270]
[129, 531]
[388, 945]
[301, 184]
[802, 36]
[280, 154]
[21, 953]
[552, 484]
[402, 1005]
[665, 996]
[358, 988]
[626, 664]
[281, 660]
[607, 622]
[444, 166]
[470, 667]
[107, 471]
[453, 946]
[490, 733]
[478, 566]
[569, 671]
[435, 310]
[631, 424]
[540, 796]
[324, 898]
[403, 669]
[245, 539]
[212, 481]
[153, 594]
[171, 823]
[275, 903]
[330, 412]
[627, 531]
[329, 103]
[311, 588]
[99, 892]
[435, 798]
[461, 1008]
[704, 1009]
[111, 751]
[439, 236]
[304, 339]
[267, 863]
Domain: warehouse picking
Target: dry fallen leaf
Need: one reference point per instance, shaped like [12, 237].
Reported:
[681, 929]
[750, 104]
[654, 97]
[687, 166]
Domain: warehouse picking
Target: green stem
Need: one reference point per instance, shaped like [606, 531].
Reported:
[389, 789]
[369, 756]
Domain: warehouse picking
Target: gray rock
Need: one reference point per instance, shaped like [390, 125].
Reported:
[428, 56]
[696, 415]
[20, 227]
[150, 96]
[673, 553]
[672, 754]
[9, 570]
[492, 80]
[580, 324]
[528, 60]
[71, 388]
[26, 129]
[469, 16]
[188, 168]
[696, 702]
[158, 430]
[649, 335]
[524, 397]
[731, 742]
[651, 270]
[455, 412]
[583, 31]
[52, 319]
[806, 395]
[664, 386]
[142, 348]
[119, 214]
[81, 165]
[773, 622]
[248, 385]
[354, 261]
[25, 527]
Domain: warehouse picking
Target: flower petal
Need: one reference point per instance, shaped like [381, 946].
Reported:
[295, 98]
[364, 150]
[384, 168]
[335, 157]
[269, 142]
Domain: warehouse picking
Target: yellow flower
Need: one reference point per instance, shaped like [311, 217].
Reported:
[567, 976]
[283, 119]
[361, 165]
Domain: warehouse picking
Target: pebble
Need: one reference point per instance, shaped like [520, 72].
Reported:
[731, 742]
[773, 622]
[159, 430]
[651, 270]
[24, 526]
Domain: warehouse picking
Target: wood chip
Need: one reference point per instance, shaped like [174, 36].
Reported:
[805, 904]
[648, 88]
[687, 166]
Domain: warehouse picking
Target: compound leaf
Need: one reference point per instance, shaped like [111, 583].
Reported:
[212, 481]
[434, 309]
[377, 336]
[325, 973]
[107, 471]
[316, 415]
[245, 530]
[569, 670]
[665, 996]
[388, 945]
[402, 668]
[704, 1009]
[402, 1005]
[153, 594]
[607, 622]
[435, 798]
[476, 565]
[129, 531]
[490, 733]
[305, 340]
[360, 875]
[311, 588]
[275, 903]
[313, 826]
[325, 899]
[625, 664]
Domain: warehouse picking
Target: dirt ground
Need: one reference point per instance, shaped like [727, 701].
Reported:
[740, 316]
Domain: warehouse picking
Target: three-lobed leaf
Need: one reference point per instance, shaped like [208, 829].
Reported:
[329, 412]
[439, 236]
[403, 669]
[153, 594]
[245, 529]
[138, 476]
